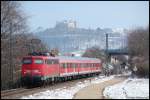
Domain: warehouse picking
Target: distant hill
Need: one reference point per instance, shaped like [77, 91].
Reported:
[68, 39]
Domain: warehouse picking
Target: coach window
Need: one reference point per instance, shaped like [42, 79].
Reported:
[76, 65]
[97, 65]
[68, 64]
[72, 65]
[65, 65]
[89, 65]
[86, 64]
[79, 65]
[82, 65]
[61, 65]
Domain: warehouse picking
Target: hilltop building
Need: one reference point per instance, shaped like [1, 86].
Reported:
[66, 25]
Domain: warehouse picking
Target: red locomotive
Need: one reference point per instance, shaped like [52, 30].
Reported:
[46, 68]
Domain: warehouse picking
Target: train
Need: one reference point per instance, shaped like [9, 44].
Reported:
[44, 68]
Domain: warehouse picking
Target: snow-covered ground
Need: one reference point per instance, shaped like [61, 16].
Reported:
[132, 88]
[66, 92]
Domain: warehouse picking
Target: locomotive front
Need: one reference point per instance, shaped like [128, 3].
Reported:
[32, 69]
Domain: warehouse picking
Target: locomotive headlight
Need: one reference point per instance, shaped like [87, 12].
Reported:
[36, 71]
[27, 71]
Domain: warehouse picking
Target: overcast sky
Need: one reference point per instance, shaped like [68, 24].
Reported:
[88, 14]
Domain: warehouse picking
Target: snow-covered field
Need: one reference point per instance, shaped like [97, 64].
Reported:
[66, 92]
[132, 88]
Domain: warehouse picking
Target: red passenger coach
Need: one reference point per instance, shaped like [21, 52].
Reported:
[70, 66]
[47, 68]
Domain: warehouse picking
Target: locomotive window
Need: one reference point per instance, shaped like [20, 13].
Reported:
[27, 61]
[48, 61]
[53, 61]
[38, 61]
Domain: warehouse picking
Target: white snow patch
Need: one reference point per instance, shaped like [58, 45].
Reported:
[66, 92]
[129, 89]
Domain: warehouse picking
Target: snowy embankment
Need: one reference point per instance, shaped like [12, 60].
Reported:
[66, 92]
[132, 88]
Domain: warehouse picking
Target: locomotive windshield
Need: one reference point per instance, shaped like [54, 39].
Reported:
[38, 61]
[27, 61]
[35, 61]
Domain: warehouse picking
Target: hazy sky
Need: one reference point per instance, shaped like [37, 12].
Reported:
[93, 14]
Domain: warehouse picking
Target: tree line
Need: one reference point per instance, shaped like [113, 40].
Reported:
[138, 45]
[138, 49]
[16, 42]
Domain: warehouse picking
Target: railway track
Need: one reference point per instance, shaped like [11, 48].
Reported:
[17, 93]
[11, 92]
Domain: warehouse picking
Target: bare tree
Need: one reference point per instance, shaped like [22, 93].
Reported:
[15, 42]
[13, 20]
[138, 43]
